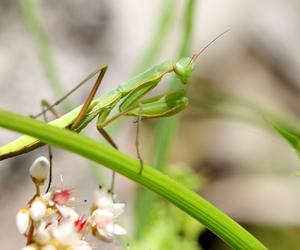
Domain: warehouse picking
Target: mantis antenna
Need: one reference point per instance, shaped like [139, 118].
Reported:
[195, 56]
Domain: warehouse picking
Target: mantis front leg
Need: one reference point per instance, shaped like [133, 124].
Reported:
[164, 105]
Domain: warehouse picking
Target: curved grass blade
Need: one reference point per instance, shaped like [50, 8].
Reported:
[203, 211]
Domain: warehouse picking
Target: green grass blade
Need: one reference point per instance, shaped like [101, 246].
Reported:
[291, 135]
[203, 211]
[33, 19]
[221, 104]
[166, 128]
[163, 28]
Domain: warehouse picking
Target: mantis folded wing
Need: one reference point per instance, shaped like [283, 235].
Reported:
[127, 95]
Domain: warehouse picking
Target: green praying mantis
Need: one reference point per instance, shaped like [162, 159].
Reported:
[127, 97]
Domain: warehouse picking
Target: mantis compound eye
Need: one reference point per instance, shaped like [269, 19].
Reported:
[184, 68]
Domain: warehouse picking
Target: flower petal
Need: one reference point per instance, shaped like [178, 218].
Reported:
[118, 208]
[102, 199]
[115, 229]
[104, 235]
[102, 218]
[42, 234]
[67, 212]
[81, 245]
[66, 233]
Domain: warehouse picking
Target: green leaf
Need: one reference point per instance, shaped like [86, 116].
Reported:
[203, 211]
[292, 137]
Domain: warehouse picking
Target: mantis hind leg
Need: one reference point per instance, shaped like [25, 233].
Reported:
[46, 106]
[138, 128]
[108, 138]
[84, 81]
[137, 142]
[105, 112]
[89, 99]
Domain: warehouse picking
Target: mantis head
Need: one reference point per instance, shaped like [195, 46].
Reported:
[184, 68]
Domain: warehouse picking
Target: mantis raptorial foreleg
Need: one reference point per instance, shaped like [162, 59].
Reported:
[154, 107]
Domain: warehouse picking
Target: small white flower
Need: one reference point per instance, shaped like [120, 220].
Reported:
[38, 209]
[42, 234]
[81, 245]
[23, 220]
[66, 233]
[39, 170]
[103, 200]
[103, 221]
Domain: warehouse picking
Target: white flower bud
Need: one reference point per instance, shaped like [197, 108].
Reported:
[38, 209]
[39, 170]
[23, 220]
[30, 247]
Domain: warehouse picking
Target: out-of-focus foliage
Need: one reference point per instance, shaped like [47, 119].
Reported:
[168, 227]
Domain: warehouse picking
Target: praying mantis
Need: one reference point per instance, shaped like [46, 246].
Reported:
[127, 97]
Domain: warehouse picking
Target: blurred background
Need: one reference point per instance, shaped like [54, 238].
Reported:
[219, 147]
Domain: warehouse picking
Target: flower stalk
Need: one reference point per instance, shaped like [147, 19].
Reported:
[50, 222]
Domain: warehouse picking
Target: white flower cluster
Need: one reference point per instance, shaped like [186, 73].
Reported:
[49, 222]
